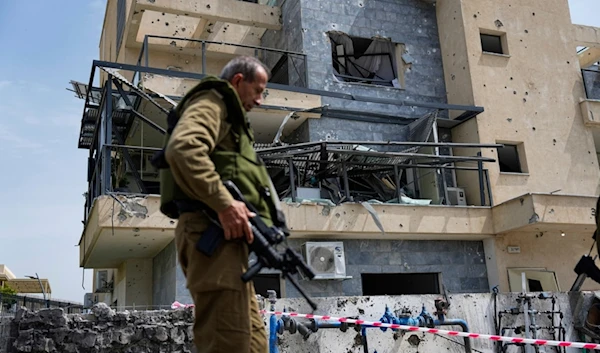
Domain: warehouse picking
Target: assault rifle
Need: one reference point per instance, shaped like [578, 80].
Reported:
[266, 239]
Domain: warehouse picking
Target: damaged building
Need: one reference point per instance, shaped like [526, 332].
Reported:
[418, 147]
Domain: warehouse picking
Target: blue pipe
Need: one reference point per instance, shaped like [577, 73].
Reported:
[422, 320]
[274, 325]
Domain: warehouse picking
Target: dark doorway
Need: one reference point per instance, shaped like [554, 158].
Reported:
[265, 282]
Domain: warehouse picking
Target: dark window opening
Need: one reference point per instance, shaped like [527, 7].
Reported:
[535, 285]
[364, 60]
[265, 282]
[400, 283]
[508, 159]
[279, 73]
[491, 43]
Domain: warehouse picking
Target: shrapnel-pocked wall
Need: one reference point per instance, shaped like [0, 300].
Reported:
[167, 331]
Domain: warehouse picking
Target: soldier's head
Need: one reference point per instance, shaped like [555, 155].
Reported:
[249, 78]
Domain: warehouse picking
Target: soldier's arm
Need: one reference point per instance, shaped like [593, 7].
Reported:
[187, 152]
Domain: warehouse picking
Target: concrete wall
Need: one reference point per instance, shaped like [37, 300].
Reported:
[461, 264]
[164, 275]
[541, 250]
[344, 129]
[138, 282]
[289, 38]
[411, 23]
[104, 330]
[169, 283]
[530, 94]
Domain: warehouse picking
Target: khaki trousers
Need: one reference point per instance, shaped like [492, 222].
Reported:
[227, 318]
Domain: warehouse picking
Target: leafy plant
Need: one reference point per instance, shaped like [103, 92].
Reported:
[6, 289]
[7, 293]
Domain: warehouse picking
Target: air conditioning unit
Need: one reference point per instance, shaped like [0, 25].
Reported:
[456, 196]
[327, 259]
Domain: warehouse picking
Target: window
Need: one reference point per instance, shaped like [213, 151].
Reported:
[364, 60]
[400, 283]
[264, 282]
[511, 158]
[536, 280]
[491, 43]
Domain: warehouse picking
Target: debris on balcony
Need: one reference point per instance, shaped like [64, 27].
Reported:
[131, 206]
[334, 172]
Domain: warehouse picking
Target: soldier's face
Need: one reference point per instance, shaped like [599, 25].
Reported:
[251, 92]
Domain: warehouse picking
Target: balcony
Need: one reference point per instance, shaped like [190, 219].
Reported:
[590, 105]
[242, 22]
[398, 189]
[535, 213]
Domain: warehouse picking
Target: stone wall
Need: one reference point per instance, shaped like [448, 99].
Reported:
[104, 330]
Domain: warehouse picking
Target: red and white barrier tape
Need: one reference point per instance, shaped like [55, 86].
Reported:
[441, 332]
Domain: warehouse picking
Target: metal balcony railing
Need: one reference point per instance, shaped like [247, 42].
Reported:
[287, 67]
[591, 83]
[110, 111]
[9, 304]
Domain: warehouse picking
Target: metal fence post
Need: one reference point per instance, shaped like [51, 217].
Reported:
[480, 174]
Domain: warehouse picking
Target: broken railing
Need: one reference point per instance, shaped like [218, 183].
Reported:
[110, 111]
[287, 67]
[350, 171]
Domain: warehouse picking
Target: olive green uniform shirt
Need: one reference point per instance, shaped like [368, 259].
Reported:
[201, 128]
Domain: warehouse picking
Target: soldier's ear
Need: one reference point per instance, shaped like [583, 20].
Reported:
[236, 79]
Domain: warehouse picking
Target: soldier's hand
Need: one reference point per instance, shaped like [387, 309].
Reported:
[234, 221]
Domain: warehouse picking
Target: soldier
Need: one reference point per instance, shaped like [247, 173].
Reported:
[212, 141]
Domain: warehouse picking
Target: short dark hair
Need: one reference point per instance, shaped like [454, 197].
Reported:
[245, 65]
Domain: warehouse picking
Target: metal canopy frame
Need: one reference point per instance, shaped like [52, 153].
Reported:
[105, 127]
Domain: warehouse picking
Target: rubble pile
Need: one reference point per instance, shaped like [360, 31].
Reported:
[103, 330]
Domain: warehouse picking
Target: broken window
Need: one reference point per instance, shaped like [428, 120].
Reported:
[509, 159]
[400, 283]
[364, 60]
[491, 43]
